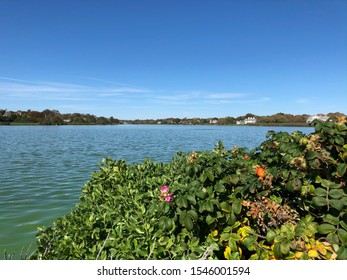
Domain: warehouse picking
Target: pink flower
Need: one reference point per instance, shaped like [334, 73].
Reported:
[164, 189]
[165, 195]
[169, 198]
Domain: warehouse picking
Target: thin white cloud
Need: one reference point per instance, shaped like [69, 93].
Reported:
[67, 98]
[225, 95]
[121, 91]
[110, 82]
[11, 88]
[180, 96]
[303, 101]
[199, 95]
[247, 100]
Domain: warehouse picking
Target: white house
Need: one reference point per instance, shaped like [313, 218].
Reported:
[249, 120]
[213, 121]
[320, 117]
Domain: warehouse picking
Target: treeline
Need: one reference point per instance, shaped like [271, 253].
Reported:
[52, 117]
[276, 119]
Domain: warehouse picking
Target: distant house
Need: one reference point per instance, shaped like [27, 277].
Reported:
[249, 120]
[213, 121]
[8, 114]
[320, 117]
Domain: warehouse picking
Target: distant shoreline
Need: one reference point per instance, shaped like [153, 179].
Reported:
[239, 125]
[54, 117]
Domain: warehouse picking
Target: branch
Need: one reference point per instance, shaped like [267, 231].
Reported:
[103, 245]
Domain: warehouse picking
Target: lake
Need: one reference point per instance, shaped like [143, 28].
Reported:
[43, 168]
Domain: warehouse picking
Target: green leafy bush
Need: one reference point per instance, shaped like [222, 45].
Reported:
[285, 199]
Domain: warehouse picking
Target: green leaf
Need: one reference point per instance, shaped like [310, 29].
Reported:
[330, 184]
[232, 219]
[233, 246]
[285, 174]
[226, 207]
[315, 164]
[165, 223]
[337, 204]
[225, 236]
[318, 125]
[331, 219]
[209, 206]
[218, 169]
[270, 235]
[234, 179]
[249, 242]
[343, 225]
[195, 184]
[191, 198]
[332, 238]
[319, 201]
[139, 231]
[320, 192]
[165, 207]
[311, 155]
[336, 193]
[285, 248]
[342, 235]
[209, 174]
[235, 237]
[237, 206]
[210, 220]
[326, 183]
[284, 147]
[339, 140]
[181, 202]
[193, 215]
[203, 177]
[341, 169]
[342, 253]
[326, 228]
[187, 221]
[201, 193]
[277, 251]
[289, 186]
[219, 188]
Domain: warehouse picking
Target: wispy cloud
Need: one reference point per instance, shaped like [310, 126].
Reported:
[303, 101]
[11, 88]
[104, 97]
[200, 96]
[215, 100]
[179, 96]
[225, 95]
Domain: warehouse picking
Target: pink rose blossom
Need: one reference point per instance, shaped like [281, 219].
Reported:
[168, 198]
[164, 189]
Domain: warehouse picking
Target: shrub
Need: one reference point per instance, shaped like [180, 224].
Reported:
[285, 199]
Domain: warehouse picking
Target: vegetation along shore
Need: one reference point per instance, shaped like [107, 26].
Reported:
[54, 117]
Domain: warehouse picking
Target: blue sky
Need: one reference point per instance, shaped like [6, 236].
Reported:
[141, 59]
